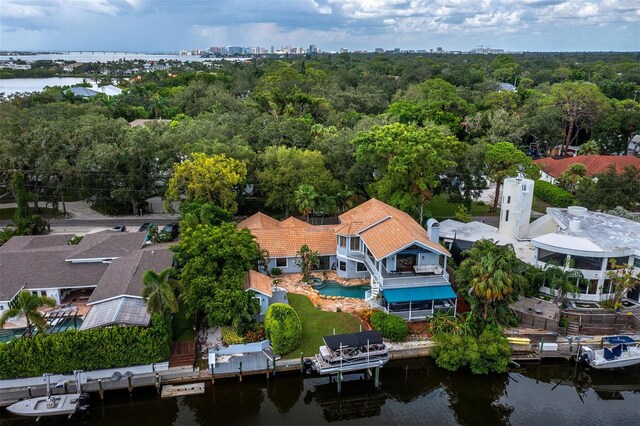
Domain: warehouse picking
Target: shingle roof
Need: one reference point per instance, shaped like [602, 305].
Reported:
[108, 244]
[124, 275]
[384, 229]
[594, 163]
[285, 242]
[258, 282]
[37, 242]
[259, 221]
[44, 269]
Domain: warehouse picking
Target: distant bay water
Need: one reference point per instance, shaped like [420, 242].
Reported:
[9, 86]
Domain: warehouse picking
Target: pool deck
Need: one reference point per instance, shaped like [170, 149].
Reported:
[293, 284]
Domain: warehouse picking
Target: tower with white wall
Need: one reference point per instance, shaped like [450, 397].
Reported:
[517, 198]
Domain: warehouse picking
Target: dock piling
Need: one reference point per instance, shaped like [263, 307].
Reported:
[100, 390]
[130, 386]
[29, 392]
[240, 372]
[339, 382]
[158, 382]
[376, 382]
[267, 369]
[301, 362]
[65, 387]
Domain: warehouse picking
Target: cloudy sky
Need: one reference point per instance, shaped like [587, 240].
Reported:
[169, 25]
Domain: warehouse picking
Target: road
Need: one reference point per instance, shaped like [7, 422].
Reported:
[130, 223]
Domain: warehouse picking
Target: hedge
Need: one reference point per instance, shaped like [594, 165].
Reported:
[553, 195]
[283, 327]
[390, 326]
[85, 350]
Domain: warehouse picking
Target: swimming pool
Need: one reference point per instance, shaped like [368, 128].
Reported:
[333, 288]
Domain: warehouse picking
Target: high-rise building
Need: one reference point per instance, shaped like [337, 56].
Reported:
[313, 48]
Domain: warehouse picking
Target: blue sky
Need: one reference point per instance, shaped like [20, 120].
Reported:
[169, 25]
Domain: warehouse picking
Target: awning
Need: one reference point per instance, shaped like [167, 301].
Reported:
[414, 294]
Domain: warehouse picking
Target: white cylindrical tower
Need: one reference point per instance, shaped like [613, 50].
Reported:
[517, 198]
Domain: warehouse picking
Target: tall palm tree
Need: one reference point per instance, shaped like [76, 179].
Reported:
[28, 304]
[306, 196]
[159, 291]
[573, 177]
[490, 274]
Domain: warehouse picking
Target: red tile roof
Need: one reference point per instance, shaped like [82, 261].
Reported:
[259, 221]
[595, 164]
[258, 282]
[285, 242]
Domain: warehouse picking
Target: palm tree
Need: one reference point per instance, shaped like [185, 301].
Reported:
[307, 259]
[490, 274]
[28, 304]
[159, 291]
[306, 196]
[564, 279]
[573, 176]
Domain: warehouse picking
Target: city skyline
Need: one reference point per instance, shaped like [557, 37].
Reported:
[454, 25]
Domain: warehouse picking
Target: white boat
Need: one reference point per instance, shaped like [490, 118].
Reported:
[51, 405]
[351, 352]
[622, 355]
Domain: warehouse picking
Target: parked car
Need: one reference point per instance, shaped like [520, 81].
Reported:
[172, 229]
[145, 227]
[119, 228]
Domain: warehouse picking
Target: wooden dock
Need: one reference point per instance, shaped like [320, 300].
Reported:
[171, 391]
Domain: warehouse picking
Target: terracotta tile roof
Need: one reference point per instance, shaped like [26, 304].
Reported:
[285, 242]
[258, 282]
[594, 163]
[292, 222]
[259, 221]
[124, 275]
[384, 229]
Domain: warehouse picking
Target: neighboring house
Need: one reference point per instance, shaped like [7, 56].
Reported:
[405, 264]
[506, 87]
[572, 150]
[109, 90]
[104, 267]
[551, 169]
[571, 238]
[634, 146]
[264, 291]
[144, 122]
[83, 92]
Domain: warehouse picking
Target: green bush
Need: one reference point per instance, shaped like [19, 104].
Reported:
[488, 353]
[230, 336]
[85, 350]
[552, 195]
[276, 271]
[283, 327]
[390, 326]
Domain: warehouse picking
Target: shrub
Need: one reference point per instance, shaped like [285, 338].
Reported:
[463, 214]
[276, 271]
[283, 328]
[86, 350]
[551, 194]
[255, 333]
[230, 336]
[390, 326]
[488, 353]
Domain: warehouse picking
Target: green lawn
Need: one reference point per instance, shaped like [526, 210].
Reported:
[182, 327]
[440, 207]
[316, 324]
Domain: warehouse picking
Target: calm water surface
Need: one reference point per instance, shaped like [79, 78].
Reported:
[411, 392]
[9, 86]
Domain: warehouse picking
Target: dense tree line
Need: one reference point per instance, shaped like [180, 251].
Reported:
[399, 127]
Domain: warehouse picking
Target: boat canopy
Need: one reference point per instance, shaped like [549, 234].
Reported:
[618, 339]
[353, 340]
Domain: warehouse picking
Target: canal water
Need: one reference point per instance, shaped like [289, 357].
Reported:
[411, 392]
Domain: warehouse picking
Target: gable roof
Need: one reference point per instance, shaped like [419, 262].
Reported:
[124, 275]
[108, 245]
[258, 282]
[385, 229]
[285, 242]
[594, 163]
[259, 221]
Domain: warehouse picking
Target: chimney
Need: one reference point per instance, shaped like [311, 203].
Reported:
[433, 230]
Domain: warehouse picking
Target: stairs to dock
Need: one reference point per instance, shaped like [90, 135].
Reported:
[573, 329]
[182, 354]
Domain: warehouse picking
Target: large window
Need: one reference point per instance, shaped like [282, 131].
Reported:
[324, 263]
[360, 267]
[619, 261]
[342, 241]
[588, 263]
[355, 244]
[636, 262]
[550, 256]
[342, 265]
[281, 262]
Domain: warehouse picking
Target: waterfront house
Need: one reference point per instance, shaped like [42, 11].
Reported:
[103, 271]
[552, 169]
[405, 264]
[572, 238]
